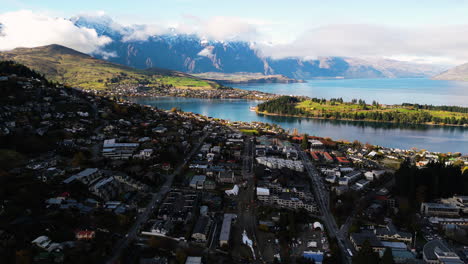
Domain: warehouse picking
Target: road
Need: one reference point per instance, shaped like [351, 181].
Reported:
[155, 200]
[247, 219]
[322, 199]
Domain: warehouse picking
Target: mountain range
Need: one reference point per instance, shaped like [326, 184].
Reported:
[459, 73]
[193, 54]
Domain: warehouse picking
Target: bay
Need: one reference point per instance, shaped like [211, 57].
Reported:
[434, 138]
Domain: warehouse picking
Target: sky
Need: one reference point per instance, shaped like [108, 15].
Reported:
[426, 31]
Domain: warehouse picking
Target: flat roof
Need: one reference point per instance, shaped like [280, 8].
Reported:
[226, 227]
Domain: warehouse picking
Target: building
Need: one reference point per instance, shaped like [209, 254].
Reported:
[374, 175]
[277, 163]
[193, 260]
[390, 233]
[113, 150]
[437, 252]
[328, 157]
[202, 229]
[315, 144]
[198, 182]
[106, 188]
[449, 221]
[86, 176]
[439, 209]
[85, 235]
[225, 234]
[458, 201]
[226, 177]
[358, 239]
[289, 200]
[316, 256]
[403, 256]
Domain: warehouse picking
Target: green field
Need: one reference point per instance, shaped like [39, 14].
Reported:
[76, 69]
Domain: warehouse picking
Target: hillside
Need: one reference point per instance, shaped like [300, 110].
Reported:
[192, 54]
[244, 77]
[459, 73]
[65, 65]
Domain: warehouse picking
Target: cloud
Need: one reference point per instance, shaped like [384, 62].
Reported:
[28, 29]
[440, 44]
[143, 32]
[221, 28]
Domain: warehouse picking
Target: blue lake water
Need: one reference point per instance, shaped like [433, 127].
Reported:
[386, 91]
[389, 91]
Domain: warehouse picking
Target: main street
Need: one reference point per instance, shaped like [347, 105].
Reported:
[155, 200]
[322, 199]
[247, 211]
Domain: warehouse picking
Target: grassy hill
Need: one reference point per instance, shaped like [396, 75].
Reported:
[245, 77]
[76, 69]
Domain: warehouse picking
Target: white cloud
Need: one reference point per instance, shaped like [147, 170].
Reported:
[422, 44]
[143, 32]
[221, 28]
[28, 29]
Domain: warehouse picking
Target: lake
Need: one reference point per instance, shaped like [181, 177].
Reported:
[434, 138]
[386, 91]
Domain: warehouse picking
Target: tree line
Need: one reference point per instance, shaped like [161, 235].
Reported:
[458, 109]
[436, 180]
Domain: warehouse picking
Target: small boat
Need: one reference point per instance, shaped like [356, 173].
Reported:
[253, 108]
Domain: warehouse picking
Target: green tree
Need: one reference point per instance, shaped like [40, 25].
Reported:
[387, 257]
[366, 255]
[79, 159]
[305, 142]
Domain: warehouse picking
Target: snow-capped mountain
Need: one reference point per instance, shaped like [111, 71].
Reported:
[193, 54]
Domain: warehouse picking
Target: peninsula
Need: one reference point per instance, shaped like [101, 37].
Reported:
[359, 110]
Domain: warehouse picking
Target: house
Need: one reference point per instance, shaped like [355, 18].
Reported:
[161, 227]
[374, 175]
[202, 229]
[226, 177]
[159, 130]
[45, 243]
[145, 153]
[85, 235]
[315, 144]
[225, 233]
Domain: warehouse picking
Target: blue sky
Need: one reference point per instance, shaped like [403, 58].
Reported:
[296, 12]
[283, 22]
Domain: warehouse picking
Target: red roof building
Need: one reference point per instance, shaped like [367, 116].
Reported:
[85, 235]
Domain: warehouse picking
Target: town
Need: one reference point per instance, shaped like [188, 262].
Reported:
[86, 178]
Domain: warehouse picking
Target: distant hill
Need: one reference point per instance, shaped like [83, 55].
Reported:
[192, 54]
[245, 77]
[76, 69]
[459, 73]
